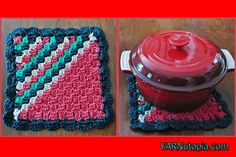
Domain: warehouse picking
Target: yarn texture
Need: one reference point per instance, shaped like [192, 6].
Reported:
[146, 116]
[57, 78]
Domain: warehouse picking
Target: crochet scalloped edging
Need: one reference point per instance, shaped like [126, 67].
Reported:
[173, 124]
[69, 125]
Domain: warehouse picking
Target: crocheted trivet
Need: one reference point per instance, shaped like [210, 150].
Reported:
[146, 116]
[58, 78]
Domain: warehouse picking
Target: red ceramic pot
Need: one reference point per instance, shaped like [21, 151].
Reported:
[177, 70]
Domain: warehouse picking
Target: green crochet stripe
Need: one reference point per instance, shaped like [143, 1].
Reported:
[47, 76]
[24, 42]
[34, 59]
[143, 108]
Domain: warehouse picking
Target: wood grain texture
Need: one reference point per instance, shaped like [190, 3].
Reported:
[220, 31]
[108, 25]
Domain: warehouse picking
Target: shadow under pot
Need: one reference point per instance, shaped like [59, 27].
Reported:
[177, 70]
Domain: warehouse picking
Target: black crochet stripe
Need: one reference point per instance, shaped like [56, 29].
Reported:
[172, 124]
[59, 34]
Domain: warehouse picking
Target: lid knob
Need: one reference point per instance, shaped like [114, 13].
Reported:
[179, 40]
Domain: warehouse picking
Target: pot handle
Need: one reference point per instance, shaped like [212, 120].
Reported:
[229, 59]
[124, 61]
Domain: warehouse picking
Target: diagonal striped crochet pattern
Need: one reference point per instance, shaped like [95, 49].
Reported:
[146, 116]
[57, 78]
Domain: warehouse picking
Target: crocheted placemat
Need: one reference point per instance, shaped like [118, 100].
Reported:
[57, 78]
[146, 116]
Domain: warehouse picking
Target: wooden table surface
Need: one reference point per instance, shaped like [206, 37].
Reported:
[220, 31]
[109, 27]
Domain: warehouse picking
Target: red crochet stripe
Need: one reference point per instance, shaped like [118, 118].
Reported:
[17, 40]
[76, 95]
[34, 52]
[54, 59]
[209, 110]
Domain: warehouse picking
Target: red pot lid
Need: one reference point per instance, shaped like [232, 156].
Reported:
[179, 61]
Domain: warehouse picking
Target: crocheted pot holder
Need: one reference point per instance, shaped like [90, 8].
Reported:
[146, 116]
[57, 78]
